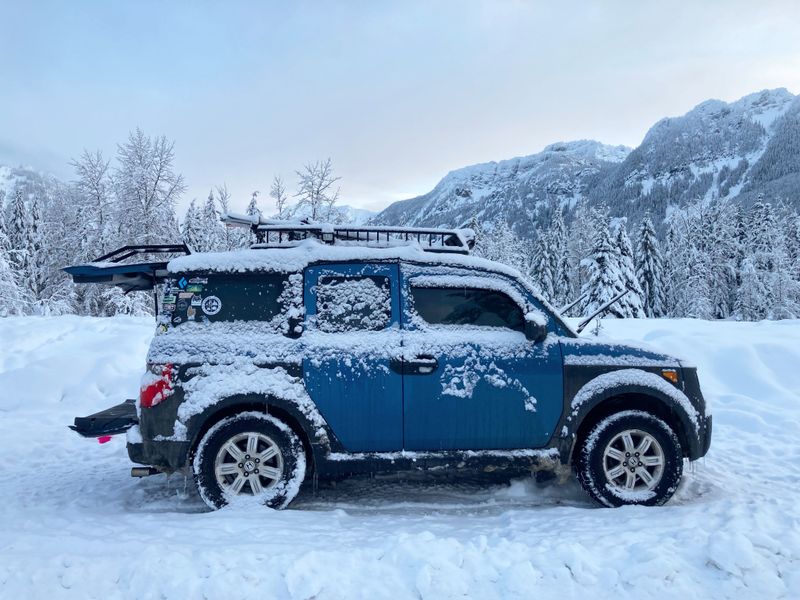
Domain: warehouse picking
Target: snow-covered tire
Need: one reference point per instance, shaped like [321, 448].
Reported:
[630, 457]
[249, 458]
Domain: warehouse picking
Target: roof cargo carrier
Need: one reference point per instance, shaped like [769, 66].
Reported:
[111, 269]
[272, 233]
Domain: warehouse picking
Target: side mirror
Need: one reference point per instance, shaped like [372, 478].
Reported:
[535, 331]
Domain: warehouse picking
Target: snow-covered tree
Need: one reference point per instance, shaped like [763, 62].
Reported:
[95, 203]
[542, 265]
[605, 279]
[631, 303]
[10, 297]
[650, 270]
[147, 188]
[231, 237]
[211, 228]
[252, 207]
[192, 228]
[560, 259]
[277, 192]
[316, 194]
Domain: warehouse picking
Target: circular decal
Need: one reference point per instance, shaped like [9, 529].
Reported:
[211, 305]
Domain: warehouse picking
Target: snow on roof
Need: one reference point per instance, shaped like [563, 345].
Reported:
[307, 252]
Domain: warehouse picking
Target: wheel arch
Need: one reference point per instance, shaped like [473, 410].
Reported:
[649, 400]
[281, 409]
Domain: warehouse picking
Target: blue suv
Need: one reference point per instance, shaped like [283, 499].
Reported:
[327, 352]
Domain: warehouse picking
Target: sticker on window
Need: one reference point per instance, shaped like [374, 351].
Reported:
[211, 305]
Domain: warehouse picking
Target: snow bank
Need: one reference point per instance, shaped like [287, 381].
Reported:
[75, 525]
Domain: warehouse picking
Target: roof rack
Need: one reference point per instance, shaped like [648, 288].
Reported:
[125, 252]
[272, 233]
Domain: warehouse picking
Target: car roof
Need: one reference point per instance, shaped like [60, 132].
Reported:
[296, 258]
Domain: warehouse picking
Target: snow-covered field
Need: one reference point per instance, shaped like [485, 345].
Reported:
[74, 524]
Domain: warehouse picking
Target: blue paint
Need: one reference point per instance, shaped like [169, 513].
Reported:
[488, 416]
[360, 397]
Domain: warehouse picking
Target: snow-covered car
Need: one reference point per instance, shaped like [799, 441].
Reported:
[324, 352]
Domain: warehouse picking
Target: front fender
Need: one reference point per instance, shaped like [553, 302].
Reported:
[647, 387]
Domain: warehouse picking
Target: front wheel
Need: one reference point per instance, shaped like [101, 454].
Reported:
[250, 457]
[630, 457]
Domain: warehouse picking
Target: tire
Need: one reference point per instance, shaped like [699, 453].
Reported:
[604, 466]
[228, 472]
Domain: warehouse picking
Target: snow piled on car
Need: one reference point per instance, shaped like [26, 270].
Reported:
[75, 525]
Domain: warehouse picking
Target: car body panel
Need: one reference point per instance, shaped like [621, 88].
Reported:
[354, 386]
[491, 388]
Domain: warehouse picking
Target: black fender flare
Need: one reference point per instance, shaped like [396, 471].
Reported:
[316, 434]
[649, 388]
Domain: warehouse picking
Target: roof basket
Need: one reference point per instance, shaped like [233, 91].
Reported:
[272, 233]
[126, 252]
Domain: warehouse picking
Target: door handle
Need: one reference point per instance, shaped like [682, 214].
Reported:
[418, 365]
[422, 365]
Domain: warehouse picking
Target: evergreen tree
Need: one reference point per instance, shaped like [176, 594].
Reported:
[10, 297]
[253, 211]
[192, 228]
[560, 259]
[542, 264]
[604, 280]
[751, 304]
[211, 229]
[252, 207]
[18, 232]
[650, 270]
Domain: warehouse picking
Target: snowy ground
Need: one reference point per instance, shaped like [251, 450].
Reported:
[74, 524]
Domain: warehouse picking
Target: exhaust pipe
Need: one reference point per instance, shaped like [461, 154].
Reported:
[144, 471]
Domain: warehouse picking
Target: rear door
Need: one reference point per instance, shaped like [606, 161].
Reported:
[472, 380]
[352, 341]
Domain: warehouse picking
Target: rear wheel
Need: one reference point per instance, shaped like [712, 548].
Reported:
[249, 458]
[631, 457]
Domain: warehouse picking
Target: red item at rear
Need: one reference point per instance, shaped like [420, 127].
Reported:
[156, 388]
[103, 439]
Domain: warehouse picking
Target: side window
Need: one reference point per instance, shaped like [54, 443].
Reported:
[209, 297]
[467, 306]
[360, 303]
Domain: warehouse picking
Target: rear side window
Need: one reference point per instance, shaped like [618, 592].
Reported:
[227, 297]
[353, 303]
[467, 306]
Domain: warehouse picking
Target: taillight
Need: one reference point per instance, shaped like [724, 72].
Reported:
[156, 385]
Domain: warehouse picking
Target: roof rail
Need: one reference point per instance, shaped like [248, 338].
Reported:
[272, 233]
[124, 252]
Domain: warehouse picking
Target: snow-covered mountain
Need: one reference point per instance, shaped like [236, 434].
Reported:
[24, 178]
[743, 149]
[510, 189]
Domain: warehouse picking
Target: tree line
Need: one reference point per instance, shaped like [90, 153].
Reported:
[46, 224]
[717, 260]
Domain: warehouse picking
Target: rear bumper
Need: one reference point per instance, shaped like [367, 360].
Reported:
[165, 455]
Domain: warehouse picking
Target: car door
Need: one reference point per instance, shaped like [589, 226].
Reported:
[472, 380]
[351, 342]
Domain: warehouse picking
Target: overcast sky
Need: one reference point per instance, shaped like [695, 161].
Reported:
[397, 94]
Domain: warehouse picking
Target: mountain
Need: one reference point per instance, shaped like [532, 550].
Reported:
[513, 189]
[743, 150]
[24, 178]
